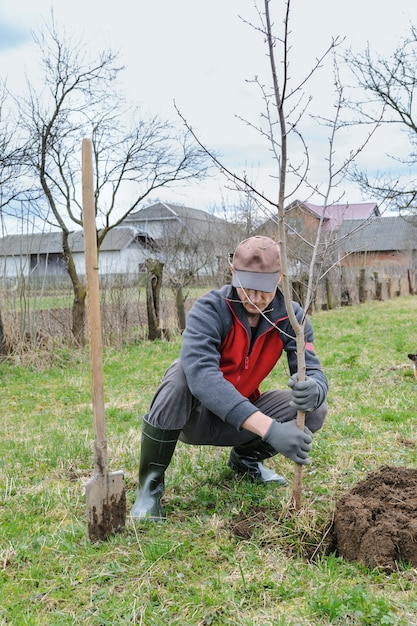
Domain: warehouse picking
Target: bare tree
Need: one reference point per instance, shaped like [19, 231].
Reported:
[391, 88]
[132, 156]
[244, 213]
[285, 106]
[11, 167]
[10, 174]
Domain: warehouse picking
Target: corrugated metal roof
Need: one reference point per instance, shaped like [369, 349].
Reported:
[167, 211]
[51, 243]
[35, 243]
[120, 238]
[380, 234]
[336, 214]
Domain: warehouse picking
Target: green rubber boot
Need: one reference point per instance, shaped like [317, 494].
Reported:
[247, 460]
[157, 448]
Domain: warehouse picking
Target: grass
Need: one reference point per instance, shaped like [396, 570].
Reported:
[231, 553]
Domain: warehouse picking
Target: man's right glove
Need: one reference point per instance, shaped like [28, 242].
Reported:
[289, 440]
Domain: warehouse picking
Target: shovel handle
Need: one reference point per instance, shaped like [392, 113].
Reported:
[93, 308]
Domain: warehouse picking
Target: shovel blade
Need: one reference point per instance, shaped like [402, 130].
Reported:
[106, 505]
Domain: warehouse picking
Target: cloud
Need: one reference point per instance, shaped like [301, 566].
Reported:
[12, 35]
[205, 57]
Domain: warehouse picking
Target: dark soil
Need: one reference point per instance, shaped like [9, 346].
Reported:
[244, 525]
[376, 522]
[109, 519]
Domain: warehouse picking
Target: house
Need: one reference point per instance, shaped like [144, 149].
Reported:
[37, 255]
[185, 239]
[304, 217]
[361, 255]
[163, 220]
[334, 214]
[302, 221]
[190, 241]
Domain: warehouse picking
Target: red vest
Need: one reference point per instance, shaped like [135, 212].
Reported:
[246, 371]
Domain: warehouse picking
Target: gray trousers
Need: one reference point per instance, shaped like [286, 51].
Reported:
[175, 408]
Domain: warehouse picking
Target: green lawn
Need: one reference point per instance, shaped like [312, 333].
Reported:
[230, 553]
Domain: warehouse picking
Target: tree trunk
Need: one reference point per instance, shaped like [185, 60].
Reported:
[378, 287]
[362, 280]
[153, 290]
[2, 337]
[329, 297]
[410, 284]
[78, 314]
[180, 304]
[79, 290]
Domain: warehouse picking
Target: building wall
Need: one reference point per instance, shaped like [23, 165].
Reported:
[12, 267]
[379, 275]
[302, 221]
[126, 261]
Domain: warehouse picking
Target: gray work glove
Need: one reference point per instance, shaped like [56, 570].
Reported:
[305, 393]
[289, 440]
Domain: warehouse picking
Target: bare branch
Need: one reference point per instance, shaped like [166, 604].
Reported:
[390, 85]
[133, 156]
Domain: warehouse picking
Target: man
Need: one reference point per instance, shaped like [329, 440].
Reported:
[210, 395]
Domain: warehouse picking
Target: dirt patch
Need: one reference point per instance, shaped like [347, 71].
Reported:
[244, 525]
[376, 522]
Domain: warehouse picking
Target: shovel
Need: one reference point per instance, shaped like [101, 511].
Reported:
[105, 492]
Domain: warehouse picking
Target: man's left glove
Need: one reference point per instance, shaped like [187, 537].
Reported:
[305, 393]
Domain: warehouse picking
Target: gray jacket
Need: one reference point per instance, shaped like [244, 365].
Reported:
[224, 368]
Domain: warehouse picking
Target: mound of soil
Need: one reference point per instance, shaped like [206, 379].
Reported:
[376, 522]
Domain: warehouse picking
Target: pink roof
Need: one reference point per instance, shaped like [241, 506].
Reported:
[335, 214]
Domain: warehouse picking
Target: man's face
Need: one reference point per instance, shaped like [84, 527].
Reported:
[254, 300]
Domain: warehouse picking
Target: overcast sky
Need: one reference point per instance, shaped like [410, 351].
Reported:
[204, 56]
